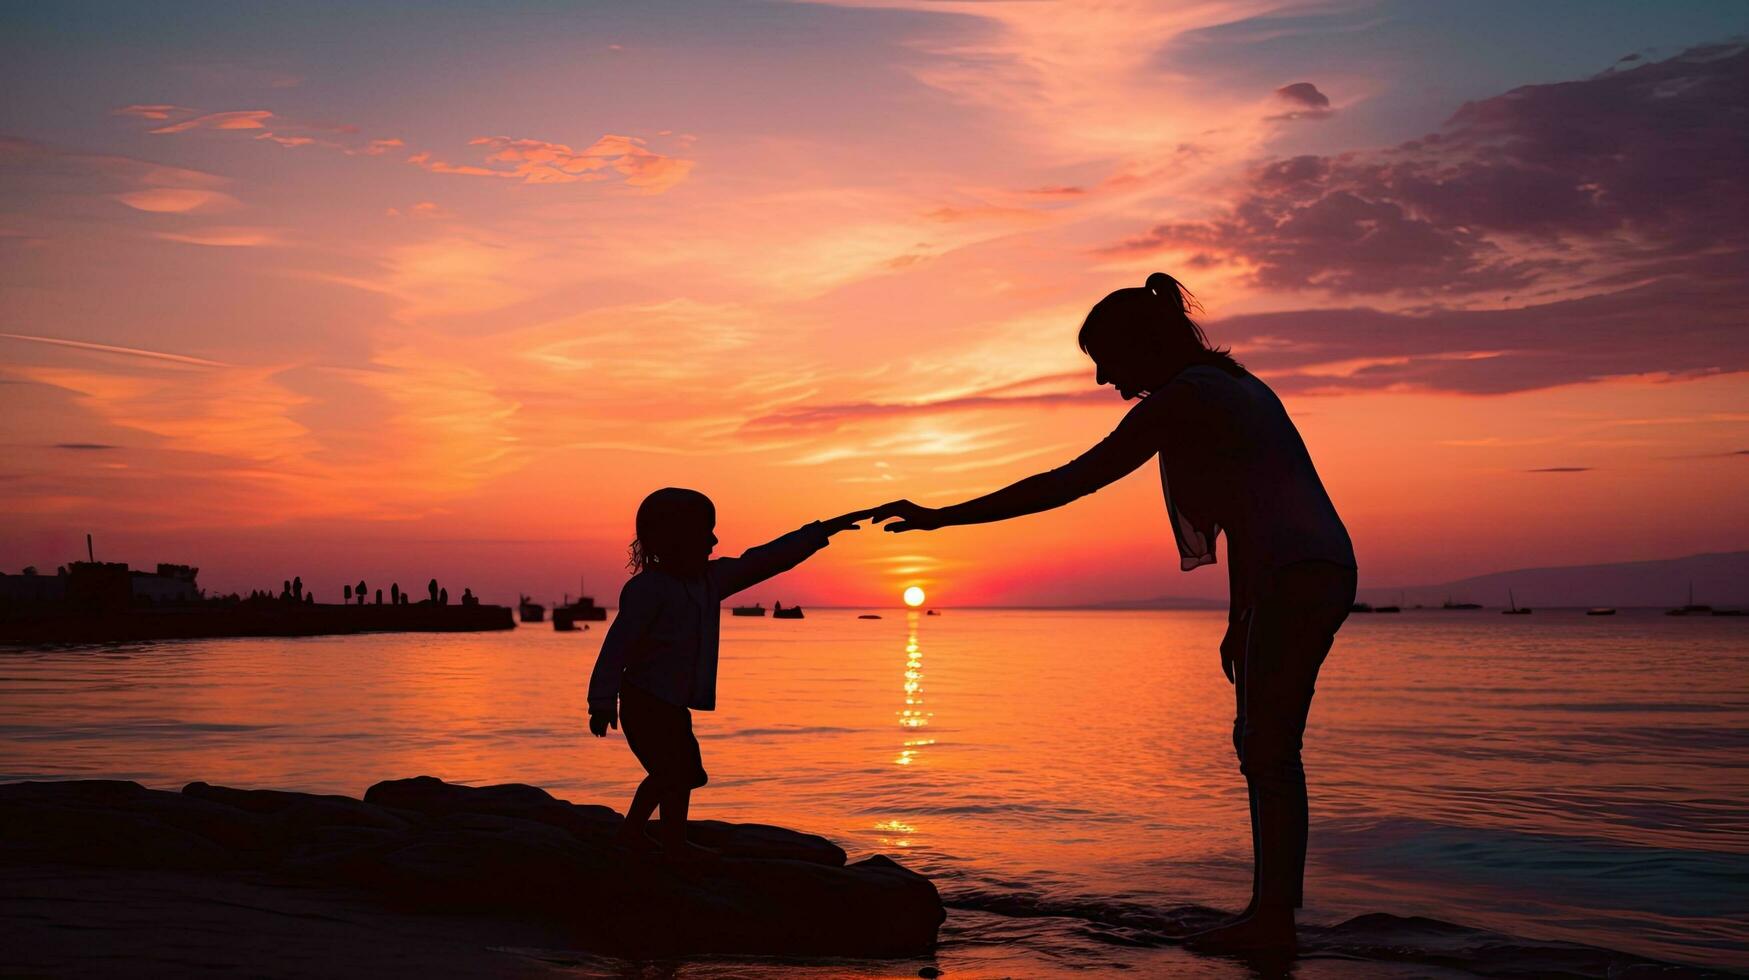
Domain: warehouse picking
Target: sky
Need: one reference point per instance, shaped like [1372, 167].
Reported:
[394, 291]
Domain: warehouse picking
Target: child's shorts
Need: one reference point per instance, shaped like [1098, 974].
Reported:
[660, 735]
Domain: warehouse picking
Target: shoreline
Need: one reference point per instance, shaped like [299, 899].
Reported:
[252, 619]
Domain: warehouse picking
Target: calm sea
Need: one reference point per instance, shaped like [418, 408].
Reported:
[1059, 774]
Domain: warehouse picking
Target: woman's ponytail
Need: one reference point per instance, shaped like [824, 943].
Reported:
[1172, 291]
[1158, 313]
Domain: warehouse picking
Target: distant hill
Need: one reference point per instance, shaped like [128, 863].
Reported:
[1720, 579]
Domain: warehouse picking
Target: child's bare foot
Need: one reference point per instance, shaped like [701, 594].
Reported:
[686, 852]
[636, 840]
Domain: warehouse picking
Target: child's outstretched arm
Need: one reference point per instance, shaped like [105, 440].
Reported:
[638, 606]
[731, 575]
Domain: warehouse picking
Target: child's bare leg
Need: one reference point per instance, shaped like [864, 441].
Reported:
[633, 833]
[675, 804]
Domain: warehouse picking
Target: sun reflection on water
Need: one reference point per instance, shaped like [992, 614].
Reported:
[912, 716]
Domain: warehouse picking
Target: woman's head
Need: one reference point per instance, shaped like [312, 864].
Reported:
[1139, 338]
[676, 532]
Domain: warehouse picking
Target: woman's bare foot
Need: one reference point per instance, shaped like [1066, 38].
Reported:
[636, 840]
[1261, 929]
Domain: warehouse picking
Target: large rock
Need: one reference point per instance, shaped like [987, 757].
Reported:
[425, 844]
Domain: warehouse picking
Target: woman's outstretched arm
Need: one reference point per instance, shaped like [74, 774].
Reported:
[1135, 440]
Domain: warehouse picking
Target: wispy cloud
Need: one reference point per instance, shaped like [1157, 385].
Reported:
[533, 161]
[223, 237]
[241, 119]
[113, 349]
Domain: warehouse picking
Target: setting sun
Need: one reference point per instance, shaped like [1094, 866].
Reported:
[914, 597]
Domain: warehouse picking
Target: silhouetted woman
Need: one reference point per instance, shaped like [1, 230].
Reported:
[1230, 460]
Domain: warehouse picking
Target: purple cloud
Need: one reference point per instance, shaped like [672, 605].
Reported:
[1305, 100]
[1685, 324]
[1625, 168]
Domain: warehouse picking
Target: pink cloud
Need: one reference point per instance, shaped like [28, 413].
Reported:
[533, 161]
[176, 200]
[288, 141]
[243, 119]
[155, 112]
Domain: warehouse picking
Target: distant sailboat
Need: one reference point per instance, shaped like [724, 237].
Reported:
[1690, 609]
[567, 614]
[1512, 606]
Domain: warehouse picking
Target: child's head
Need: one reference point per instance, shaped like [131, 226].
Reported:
[675, 532]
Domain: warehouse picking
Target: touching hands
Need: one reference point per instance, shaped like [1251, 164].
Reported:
[599, 721]
[911, 517]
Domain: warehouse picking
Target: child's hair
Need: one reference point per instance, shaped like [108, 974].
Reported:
[662, 518]
[1156, 316]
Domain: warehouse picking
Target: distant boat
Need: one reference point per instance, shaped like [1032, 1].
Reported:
[932, 612]
[1600, 611]
[1460, 605]
[1387, 609]
[530, 612]
[1731, 612]
[868, 616]
[1690, 609]
[753, 610]
[567, 614]
[1360, 607]
[1512, 606]
[780, 611]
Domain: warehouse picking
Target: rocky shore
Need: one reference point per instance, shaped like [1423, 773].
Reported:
[504, 865]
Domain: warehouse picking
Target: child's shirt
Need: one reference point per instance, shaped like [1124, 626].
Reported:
[664, 636]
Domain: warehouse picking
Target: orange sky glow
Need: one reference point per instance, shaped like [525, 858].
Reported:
[364, 297]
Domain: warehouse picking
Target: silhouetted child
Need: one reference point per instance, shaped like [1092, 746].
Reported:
[659, 658]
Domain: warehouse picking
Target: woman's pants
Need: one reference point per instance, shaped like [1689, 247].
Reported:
[1292, 625]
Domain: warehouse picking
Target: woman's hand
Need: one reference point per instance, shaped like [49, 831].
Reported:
[599, 721]
[911, 517]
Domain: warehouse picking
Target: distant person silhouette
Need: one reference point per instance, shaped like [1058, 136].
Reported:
[659, 658]
[1230, 460]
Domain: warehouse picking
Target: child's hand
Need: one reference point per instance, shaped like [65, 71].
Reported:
[844, 522]
[600, 720]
